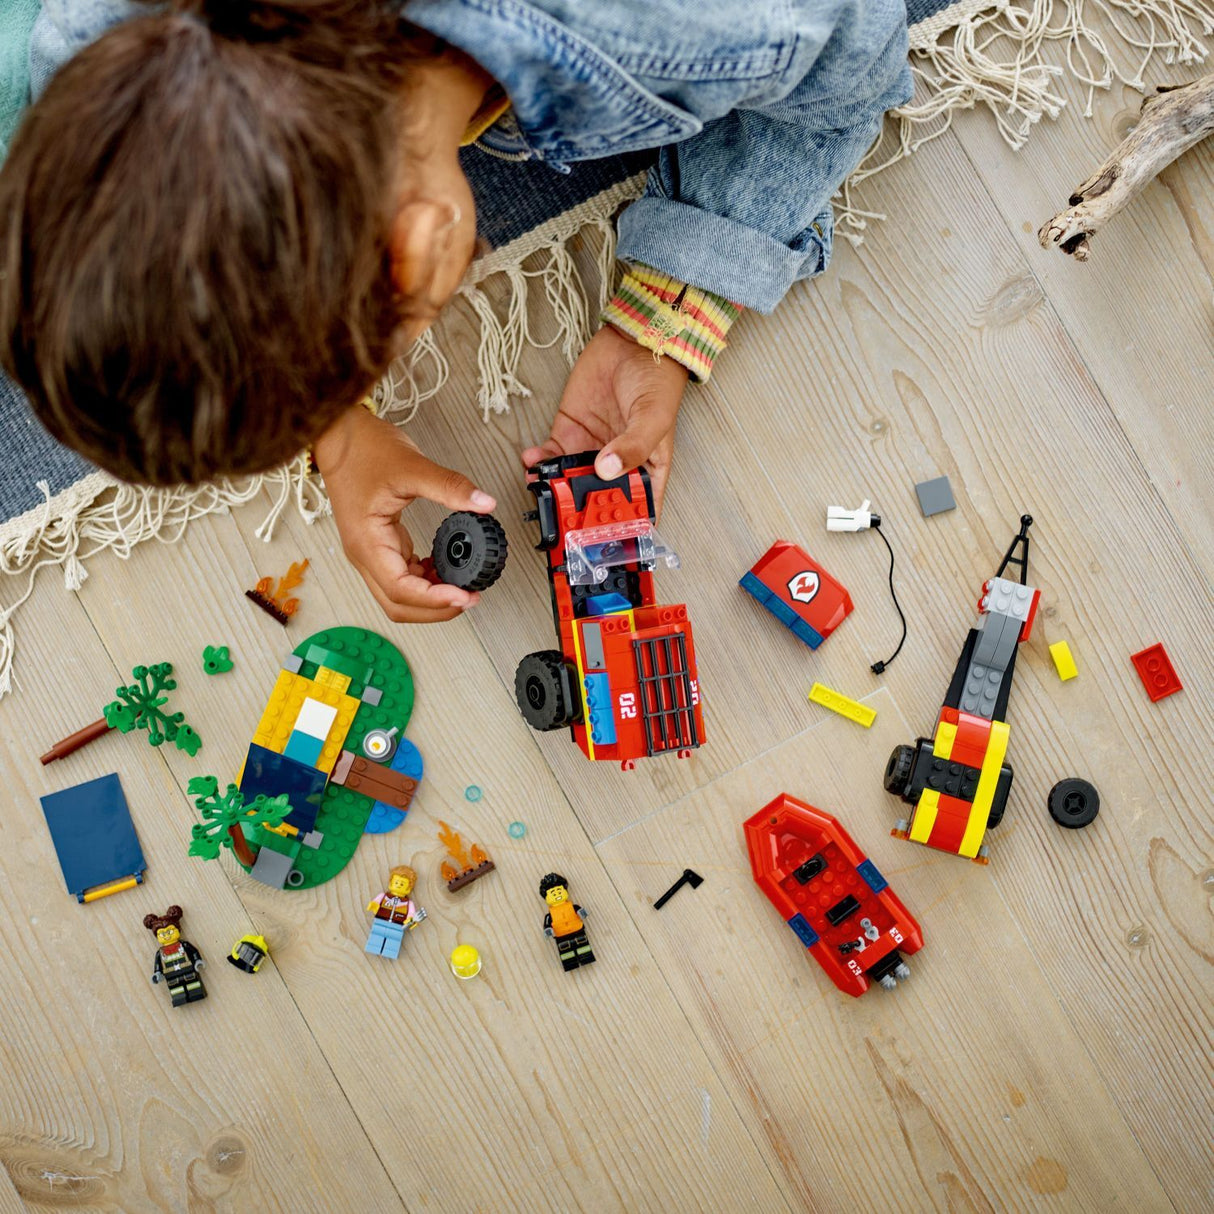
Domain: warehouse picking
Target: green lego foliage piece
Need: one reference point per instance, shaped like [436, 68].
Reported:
[216, 660]
[220, 813]
[140, 706]
[344, 813]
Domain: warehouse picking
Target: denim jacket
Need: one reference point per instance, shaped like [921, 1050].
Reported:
[760, 108]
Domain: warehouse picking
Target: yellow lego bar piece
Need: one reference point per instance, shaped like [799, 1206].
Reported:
[988, 779]
[925, 816]
[1064, 663]
[836, 701]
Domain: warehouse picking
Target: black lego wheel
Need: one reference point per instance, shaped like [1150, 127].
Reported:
[469, 550]
[542, 689]
[1073, 803]
[898, 770]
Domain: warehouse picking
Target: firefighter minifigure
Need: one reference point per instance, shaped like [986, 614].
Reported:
[177, 961]
[248, 953]
[563, 923]
[395, 913]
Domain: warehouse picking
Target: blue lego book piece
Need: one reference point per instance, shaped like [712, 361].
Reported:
[599, 718]
[407, 761]
[781, 610]
[267, 771]
[805, 933]
[871, 876]
[93, 835]
[303, 747]
[607, 604]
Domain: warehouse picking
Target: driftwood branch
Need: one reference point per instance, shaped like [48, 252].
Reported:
[1171, 122]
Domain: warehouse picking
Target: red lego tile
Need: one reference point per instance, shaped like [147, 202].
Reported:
[1156, 671]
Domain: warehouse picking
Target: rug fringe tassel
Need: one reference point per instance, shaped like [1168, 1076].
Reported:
[99, 514]
[996, 58]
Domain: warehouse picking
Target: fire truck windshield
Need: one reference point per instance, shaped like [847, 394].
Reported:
[592, 551]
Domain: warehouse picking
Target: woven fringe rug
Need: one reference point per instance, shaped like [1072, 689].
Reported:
[60, 512]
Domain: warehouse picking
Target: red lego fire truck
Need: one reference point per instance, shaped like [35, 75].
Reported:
[957, 780]
[831, 895]
[624, 678]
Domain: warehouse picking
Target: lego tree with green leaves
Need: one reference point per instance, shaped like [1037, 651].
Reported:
[226, 818]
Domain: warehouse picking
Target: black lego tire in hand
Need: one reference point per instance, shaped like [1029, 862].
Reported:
[1073, 803]
[469, 550]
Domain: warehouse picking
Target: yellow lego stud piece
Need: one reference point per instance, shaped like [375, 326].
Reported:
[465, 961]
[836, 701]
[1060, 651]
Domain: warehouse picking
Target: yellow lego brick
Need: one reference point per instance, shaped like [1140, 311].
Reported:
[333, 678]
[980, 812]
[346, 707]
[925, 816]
[946, 735]
[1064, 663]
[288, 693]
[837, 702]
[283, 707]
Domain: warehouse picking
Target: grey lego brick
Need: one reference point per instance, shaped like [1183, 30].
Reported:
[372, 696]
[1004, 597]
[998, 636]
[981, 690]
[935, 496]
[292, 662]
[272, 868]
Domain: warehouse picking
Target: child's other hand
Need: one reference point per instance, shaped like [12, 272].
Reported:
[372, 472]
[622, 400]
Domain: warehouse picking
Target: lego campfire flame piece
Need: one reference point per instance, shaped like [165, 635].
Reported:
[471, 863]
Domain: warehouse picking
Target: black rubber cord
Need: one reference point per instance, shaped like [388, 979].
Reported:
[878, 667]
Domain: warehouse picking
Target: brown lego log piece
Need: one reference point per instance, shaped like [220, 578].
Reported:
[380, 783]
[469, 875]
[267, 605]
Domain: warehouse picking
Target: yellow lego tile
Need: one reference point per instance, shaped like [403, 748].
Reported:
[332, 678]
[1064, 663]
[288, 693]
[925, 816]
[836, 701]
[985, 794]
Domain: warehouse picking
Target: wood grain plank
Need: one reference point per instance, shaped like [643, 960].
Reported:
[1141, 313]
[966, 1088]
[1015, 419]
[528, 1084]
[111, 1099]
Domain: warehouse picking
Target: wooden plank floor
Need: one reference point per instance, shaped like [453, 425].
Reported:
[1052, 1050]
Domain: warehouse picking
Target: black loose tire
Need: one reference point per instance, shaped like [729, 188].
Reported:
[1073, 803]
[898, 770]
[469, 550]
[542, 689]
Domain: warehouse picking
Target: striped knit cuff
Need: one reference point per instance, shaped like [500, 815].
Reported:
[672, 318]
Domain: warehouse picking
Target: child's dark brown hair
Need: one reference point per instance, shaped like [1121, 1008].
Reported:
[194, 218]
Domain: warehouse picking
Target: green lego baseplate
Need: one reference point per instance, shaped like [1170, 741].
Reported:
[373, 662]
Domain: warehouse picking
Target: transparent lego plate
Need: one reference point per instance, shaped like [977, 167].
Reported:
[591, 552]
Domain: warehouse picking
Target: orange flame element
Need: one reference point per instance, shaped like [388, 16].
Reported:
[458, 852]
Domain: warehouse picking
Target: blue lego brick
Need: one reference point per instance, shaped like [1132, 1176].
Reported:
[805, 933]
[781, 610]
[407, 761]
[93, 835]
[266, 771]
[871, 876]
[607, 604]
[599, 718]
[303, 747]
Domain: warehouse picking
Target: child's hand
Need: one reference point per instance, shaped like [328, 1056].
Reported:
[618, 398]
[372, 472]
